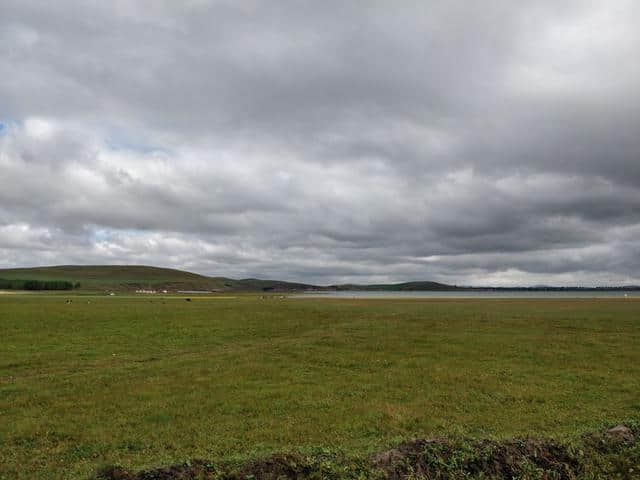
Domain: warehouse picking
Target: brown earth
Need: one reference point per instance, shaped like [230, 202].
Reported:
[429, 459]
[432, 459]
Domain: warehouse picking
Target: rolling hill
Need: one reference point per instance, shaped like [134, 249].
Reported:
[118, 277]
[133, 277]
[398, 287]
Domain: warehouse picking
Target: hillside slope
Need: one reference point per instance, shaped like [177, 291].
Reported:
[118, 277]
[133, 277]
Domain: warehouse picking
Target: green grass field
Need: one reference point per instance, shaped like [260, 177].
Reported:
[146, 382]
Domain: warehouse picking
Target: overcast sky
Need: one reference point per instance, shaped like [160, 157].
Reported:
[475, 143]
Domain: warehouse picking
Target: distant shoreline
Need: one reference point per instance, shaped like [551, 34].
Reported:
[475, 294]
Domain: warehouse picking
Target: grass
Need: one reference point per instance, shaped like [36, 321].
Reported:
[145, 382]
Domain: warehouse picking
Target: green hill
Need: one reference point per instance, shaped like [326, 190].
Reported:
[133, 277]
[117, 277]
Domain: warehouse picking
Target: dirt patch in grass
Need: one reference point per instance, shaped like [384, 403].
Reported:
[434, 459]
[605, 454]
[288, 466]
[611, 440]
[196, 469]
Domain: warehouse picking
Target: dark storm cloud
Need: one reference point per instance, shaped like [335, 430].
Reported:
[335, 141]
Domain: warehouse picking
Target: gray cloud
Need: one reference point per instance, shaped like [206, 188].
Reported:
[475, 144]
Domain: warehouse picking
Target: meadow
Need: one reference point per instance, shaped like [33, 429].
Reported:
[149, 381]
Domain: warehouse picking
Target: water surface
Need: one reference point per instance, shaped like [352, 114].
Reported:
[475, 294]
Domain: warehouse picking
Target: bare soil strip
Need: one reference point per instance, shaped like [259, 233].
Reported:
[612, 453]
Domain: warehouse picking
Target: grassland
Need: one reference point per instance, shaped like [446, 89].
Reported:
[145, 382]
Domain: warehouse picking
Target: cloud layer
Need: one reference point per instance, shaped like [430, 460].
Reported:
[491, 143]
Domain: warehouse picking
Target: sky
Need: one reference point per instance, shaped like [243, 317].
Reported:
[472, 143]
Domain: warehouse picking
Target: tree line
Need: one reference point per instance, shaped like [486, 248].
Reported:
[37, 285]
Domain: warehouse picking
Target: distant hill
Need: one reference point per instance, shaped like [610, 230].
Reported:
[133, 277]
[255, 284]
[397, 287]
[117, 277]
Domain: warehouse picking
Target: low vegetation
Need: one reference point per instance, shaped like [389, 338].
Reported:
[147, 383]
[18, 284]
[606, 454]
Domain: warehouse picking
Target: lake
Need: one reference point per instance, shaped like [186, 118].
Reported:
[474, 294]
